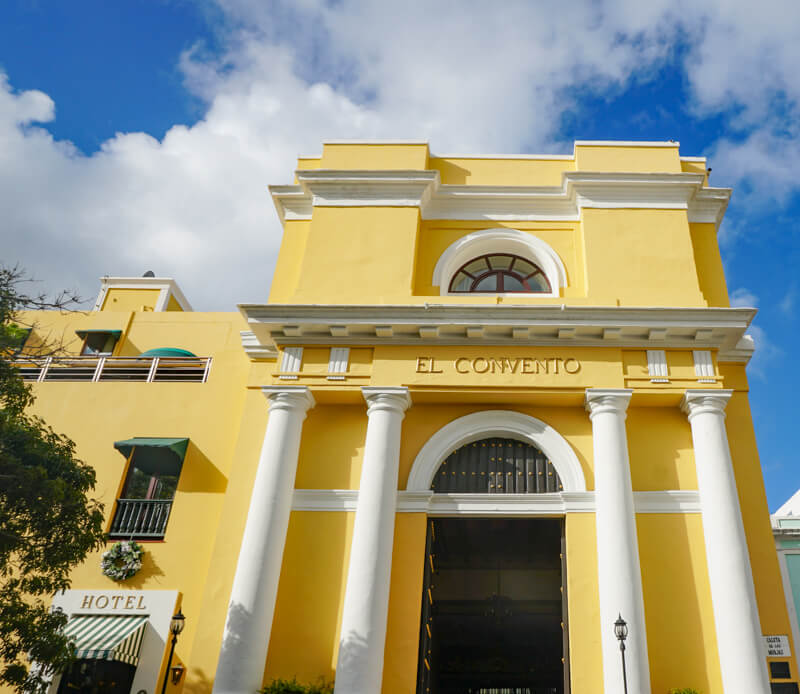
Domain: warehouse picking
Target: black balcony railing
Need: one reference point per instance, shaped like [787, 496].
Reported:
[140, 518]
[102, 369]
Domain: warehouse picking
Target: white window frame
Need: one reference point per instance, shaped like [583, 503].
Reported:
[512, 241]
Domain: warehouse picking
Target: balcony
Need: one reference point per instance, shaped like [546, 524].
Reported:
[103, 369]
[140, 519]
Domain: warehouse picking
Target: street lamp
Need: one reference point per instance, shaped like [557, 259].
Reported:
[175, 627]
[621, 632]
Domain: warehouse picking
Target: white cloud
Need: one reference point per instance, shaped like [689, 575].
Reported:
[788, 302]
[765, 354]
[743, 298]
[465, 75]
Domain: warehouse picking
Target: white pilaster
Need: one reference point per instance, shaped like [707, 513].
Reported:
[240, 669]
[366, 602]
[741, 649]
[620, 579]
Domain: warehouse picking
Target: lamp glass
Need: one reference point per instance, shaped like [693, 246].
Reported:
[177, 622]
[621, 628]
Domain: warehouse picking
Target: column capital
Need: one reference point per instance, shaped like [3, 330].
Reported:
[391, 398]
[705, 401]
[297, 398]
[607, 400]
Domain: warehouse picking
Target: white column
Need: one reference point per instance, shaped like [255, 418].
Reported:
[741, 649]
[240, 669]
[619, 574]
[366, 601]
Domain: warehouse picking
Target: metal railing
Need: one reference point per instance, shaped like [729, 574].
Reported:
[140, 518]
[103, 369]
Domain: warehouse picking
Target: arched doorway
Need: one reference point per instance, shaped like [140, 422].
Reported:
[493, 618]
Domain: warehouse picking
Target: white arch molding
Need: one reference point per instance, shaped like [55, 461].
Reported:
[500, 423]
[500, 241]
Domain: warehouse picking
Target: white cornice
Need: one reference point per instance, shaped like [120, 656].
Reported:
[457, 324]
[579, 190]
[669, 501]
[166, 285]
[396, 188]
[254, 349]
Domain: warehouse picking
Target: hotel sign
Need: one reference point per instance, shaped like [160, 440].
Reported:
[526, 366]
[777, 646]
[111, 601]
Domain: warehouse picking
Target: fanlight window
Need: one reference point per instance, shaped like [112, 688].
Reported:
[500, 273]
[497, 466]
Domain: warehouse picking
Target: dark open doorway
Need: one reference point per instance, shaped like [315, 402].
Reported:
[493, 606]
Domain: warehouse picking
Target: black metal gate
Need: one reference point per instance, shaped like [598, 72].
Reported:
[494, 466]
[497, 466]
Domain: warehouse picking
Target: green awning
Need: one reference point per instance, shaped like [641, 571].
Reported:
[84, 333]
[107, 638]
[160, 452]
[167, 352]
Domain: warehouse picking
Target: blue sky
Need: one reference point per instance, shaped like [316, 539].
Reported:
[141, 135]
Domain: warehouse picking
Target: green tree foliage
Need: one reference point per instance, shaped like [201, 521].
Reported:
[292, 686]
[48, 523]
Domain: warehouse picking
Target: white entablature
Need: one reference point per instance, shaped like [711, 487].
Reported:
[460, 324]
[579, 190]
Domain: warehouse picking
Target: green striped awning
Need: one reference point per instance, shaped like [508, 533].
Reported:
[107, 638]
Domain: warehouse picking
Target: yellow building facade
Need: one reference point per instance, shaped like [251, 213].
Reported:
[492, 404]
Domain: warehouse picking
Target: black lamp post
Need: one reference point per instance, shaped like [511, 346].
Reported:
[175, 627]
[621, 632]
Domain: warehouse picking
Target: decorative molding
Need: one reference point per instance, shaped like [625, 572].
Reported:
[167, 287]
[360, 188]
[741, 352]
[700, 401]
[605, 400]
[464, 324]
[479, 425]
[325, 500]
[703, 366]
[290, 362]
[669, 501]
[393, 398]
[289, 398]
[254, 349]
[337, 364]
[657, 366]
[578, 190]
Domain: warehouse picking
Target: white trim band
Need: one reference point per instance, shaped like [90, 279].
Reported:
[669, 501]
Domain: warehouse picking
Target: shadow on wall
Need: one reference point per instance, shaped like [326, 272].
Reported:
[231, 651]
[197, 682]
[199, 474]
[149, 570]
[352, 659]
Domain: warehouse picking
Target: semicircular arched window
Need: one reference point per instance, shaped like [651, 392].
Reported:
[499, 273]
[497, 466]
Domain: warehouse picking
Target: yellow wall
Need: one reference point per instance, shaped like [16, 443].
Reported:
[501, 172]
[130, 299]
[681, 637]
[386, 255]
[585, 655]
[305, 631]
[95, 415]
[374, 156]
[640, 258]
[627, 159]
[340, 255]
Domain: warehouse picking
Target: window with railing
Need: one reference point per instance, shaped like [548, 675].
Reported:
[144, 507]
[94, 369]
